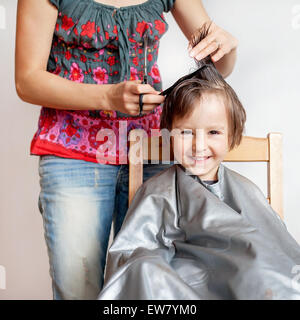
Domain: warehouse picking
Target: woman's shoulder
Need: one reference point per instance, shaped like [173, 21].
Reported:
[60, 3]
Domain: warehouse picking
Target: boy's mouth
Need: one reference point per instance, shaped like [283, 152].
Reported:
[201, 158]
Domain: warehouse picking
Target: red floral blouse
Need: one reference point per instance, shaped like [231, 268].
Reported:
[98, 44]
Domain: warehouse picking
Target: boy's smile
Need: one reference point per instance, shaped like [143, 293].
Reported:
[201, 140]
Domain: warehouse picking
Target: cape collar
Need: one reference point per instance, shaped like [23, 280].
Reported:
[216, 188]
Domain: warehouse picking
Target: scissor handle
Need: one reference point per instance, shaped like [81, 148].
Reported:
[145, 79]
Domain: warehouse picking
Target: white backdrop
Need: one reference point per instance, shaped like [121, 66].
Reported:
[266, 78]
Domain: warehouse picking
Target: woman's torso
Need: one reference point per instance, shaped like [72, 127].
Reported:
[96, 43]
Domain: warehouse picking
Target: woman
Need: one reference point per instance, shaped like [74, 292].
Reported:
[103, 48]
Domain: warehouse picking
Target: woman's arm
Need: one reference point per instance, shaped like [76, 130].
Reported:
[35, 26]
[34, 84]
[191, 15]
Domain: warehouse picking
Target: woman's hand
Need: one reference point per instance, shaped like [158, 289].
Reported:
[191, 15]
[124, 97]
[218, 43]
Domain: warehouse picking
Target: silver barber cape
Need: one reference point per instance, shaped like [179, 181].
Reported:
[181, 241]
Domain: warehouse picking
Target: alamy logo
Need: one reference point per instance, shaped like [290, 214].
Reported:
[296, 279]
[2, 278]
[296, 17]
[2, 18]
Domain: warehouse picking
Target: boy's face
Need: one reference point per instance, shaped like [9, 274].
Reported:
[201, 143]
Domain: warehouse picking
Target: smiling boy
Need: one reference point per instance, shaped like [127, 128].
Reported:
[199, 230]
[206, 120]
[202, 139]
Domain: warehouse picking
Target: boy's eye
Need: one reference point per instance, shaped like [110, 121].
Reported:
[186, 132]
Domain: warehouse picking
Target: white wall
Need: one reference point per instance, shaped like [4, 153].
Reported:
[265, 78]
[23, 252]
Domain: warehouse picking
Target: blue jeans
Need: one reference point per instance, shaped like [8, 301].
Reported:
[78, 201]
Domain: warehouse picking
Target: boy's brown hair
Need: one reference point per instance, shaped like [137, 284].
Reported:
[180, 97]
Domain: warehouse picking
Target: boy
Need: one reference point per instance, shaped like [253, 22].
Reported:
[199, 230]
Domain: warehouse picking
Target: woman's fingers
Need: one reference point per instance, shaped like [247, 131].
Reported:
[134, 108]
[219, 54]
[153, 99]
[218, 42]
[202, 45]
[147, 98]
[130, 96]
[149, 107]
[138, 88]
[212, 47]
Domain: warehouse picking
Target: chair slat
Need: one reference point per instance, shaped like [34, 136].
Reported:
[275, 175]
[250, 149]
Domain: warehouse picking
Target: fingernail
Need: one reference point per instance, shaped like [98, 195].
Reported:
[192, 53]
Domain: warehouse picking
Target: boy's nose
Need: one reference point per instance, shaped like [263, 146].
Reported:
[200, 142]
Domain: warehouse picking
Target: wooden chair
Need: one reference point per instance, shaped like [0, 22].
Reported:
[251, 149]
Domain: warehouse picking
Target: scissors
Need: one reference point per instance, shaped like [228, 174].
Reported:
[145, 77]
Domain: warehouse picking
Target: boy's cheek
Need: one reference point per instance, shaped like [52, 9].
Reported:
[223, 153]
[183, 156]
[182, 149]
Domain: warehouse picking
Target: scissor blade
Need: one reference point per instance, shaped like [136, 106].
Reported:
[145, 57]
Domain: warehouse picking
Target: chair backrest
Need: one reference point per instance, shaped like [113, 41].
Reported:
[251, 149]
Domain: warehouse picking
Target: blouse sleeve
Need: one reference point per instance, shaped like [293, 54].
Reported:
[168, 4]
[56, 3]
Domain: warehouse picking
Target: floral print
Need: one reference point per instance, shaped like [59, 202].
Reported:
[76, 73]
[67, 23]
[70, 133]
[100, 75]
[95, 44]
[88, 29]
[160, 26]
[155, 74]
[133, 74]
